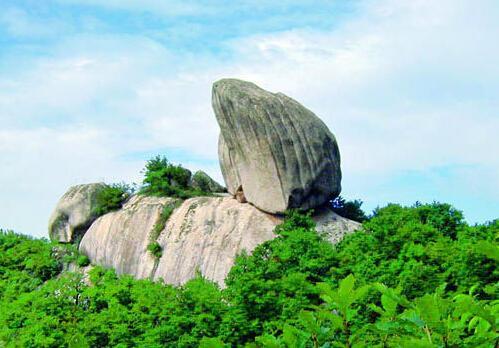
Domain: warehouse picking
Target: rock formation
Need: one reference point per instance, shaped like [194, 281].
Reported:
[74, 212]
[202, 181]
[273, 152]
[204, 233]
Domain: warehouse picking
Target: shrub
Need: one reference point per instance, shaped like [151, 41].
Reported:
[432, 320]
[273, 284]
[417, 249]
[349, 209]
[161, 178]
[414, 277]
[155, 249]
[111, 198]
[82, 261]
[163, 218]
[25, 263]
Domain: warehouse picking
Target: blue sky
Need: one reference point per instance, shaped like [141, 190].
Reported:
[89, 90]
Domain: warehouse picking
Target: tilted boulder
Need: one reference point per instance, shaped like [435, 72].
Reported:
[273, 152]
[202, 181]
[74, 214]
[203, 233]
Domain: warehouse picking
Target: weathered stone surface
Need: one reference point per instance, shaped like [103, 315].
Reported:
[333, 226]
[204, 233]
[74, 212]
[202, 181]
[119, 239]
[280, 154]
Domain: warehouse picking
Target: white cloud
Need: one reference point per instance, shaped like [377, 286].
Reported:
[38, 165]
[397, 86]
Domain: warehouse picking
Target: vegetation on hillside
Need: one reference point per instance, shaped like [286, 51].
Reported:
[415, 277]
[162, 178]
[349, 209]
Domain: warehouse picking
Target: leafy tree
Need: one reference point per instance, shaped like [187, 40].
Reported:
[349, 209]
[428, 321]
[25, 263]
[276, 281]
[161, 178]
[417, 249]
[414, 277]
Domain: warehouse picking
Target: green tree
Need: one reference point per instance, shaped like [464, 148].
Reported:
[349, 209]
[161, 178]
[277, 281]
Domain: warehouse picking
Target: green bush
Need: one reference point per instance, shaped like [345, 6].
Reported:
[25, 263]
[417, 249]
[432, 320]
[111, 198]
[82, 261]
[274, 283]
[166, 212]
[161, 178]
[414, 277]
[155, 249]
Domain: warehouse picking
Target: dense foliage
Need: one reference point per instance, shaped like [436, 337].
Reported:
[25, 263]
[111, 198]
[162, 178]
[415, 277]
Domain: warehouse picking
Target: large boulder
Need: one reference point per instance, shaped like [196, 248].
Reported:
[74, 212]
[274, 152]
[202, 181]
[203, 233]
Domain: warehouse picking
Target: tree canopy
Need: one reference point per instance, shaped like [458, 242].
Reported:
[413, 277]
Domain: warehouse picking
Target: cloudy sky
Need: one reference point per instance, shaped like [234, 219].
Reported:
[90, 89]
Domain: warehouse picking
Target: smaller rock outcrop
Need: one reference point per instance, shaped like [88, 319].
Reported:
[74, 214]
[274, 152]
[202, 181]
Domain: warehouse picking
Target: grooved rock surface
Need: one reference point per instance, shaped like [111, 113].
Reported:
[119, 239]
[73, 213]
[273, 149]
[204, 233]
